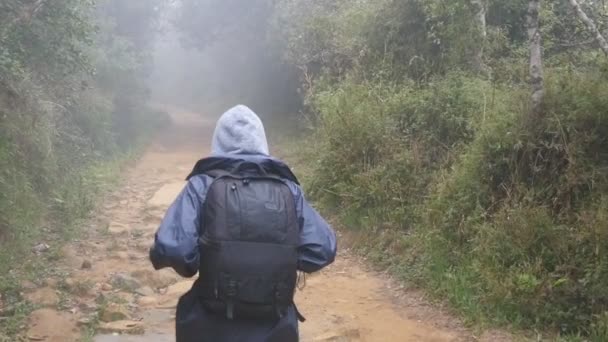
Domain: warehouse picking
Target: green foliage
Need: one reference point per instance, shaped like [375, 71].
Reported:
[49, 36]
[505, 223]
[318, 33]
[438, 169]
[70, 81]
[380, 144]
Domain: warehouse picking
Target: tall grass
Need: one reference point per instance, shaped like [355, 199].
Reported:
[456, 194]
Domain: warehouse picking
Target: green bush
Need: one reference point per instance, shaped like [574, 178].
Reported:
[456, 193]
[353, 134]
[54, 161]
[72, 101]
[379, 144]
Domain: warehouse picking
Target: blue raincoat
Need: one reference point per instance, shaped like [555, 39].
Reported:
[239, 135]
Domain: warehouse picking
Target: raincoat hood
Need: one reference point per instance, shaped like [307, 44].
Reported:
[239, 131]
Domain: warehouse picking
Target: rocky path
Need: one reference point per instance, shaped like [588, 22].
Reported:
[107, 291]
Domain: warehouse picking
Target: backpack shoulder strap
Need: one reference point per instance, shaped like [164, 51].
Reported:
[217, 173]
[270, 168]
[243, 169]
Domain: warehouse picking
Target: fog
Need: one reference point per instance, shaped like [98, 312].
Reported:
[208, 73]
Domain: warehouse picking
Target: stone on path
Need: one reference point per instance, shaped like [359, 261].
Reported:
[122, 327]
[145, 291]
[125, 282]
[173, 293]
[147, 302]
[113, 312]
[179, 288]
[86, 265]
[118, 228]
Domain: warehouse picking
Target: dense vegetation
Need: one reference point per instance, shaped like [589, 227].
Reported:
[72, 104]
[428, 141]
[471, 158]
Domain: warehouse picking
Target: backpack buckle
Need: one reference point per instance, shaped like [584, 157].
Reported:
[279, 299]
[231, 293]
[231, 288]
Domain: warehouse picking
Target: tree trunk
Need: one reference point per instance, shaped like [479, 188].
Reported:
[536, 60]
[480, 24]
[590, 25]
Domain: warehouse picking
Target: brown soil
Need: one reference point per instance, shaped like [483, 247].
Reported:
[345, 302]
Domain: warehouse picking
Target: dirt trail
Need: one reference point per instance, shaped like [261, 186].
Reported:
[107, 275]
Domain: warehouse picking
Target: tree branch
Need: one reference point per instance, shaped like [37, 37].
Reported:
[590, 25]
[480, 23]
[536, 60]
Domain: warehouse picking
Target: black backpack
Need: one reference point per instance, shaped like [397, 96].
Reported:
[249, 244]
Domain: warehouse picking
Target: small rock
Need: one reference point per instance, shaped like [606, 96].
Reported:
[69, 283]
[179, 288]
[120, 255]
[167, 304]
[155, 279]
[145, 291]
[41, 247]
[147, 302]
[86, 265]
[125, 282]
[106, 287]
[122, 327]
[118, 228]
[97, 287]
[114, 312]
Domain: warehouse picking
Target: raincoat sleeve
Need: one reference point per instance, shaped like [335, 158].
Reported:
[176, 241]
[317, 239]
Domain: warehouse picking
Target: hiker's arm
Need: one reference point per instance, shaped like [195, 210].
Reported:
[176, 241]
[317, 240]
